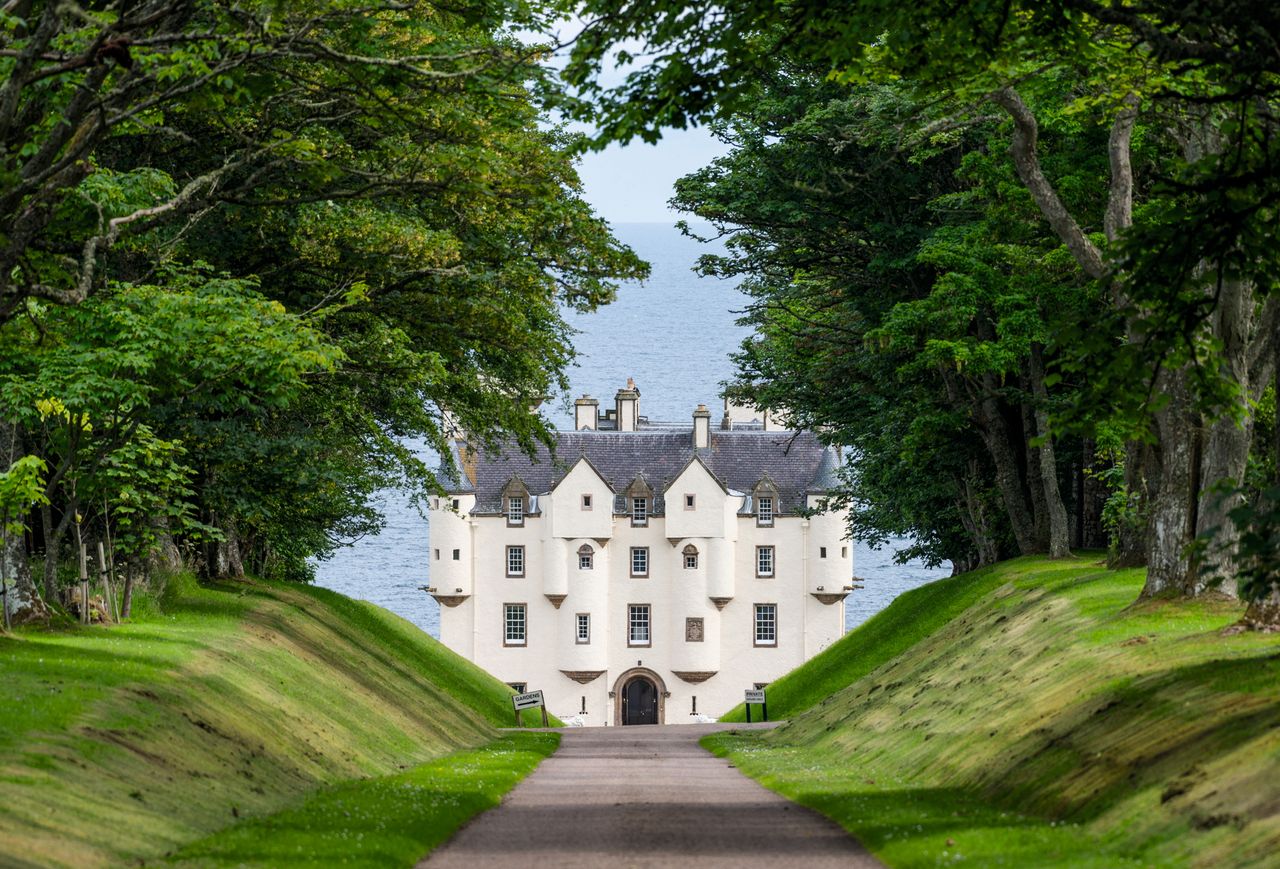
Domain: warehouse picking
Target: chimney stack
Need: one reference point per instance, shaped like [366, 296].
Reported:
[627, 402]
[701, 428]
[585, 413]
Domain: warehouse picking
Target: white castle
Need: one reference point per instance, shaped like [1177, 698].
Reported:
[648, 573]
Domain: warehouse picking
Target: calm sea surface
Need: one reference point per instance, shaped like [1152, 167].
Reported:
[673, 334]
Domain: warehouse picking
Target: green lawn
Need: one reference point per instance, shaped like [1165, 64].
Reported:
[217, 706]
[378, 822]
[1051, 722]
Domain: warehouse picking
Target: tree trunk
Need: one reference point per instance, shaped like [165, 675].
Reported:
[126, 597]
[995, 434]
[973, 518]
[1032, 479]
[1059, 530]
[1130, 547]
[1171, 519]
[50, 567]
[1226, 444]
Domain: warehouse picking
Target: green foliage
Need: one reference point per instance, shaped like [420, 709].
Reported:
[21, 488]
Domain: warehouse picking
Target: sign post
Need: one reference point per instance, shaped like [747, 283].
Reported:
[530, 700]
[756, 695]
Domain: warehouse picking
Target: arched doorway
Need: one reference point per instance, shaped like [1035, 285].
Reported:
[639, 698]
[639, 701]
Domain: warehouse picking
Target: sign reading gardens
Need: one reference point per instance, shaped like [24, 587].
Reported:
[529, 700]
[756, 695]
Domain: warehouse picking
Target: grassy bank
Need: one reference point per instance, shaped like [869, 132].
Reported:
[912, 617]
[224, 705]
[1052, 722]
[376, 822]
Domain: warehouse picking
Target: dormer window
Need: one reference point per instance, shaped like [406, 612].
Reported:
[764, 510]
[638, 501]
[766, 498]
[515, 501]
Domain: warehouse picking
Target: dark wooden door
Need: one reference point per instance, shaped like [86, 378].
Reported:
[639, 702]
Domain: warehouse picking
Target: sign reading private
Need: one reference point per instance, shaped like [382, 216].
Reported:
[528, 701]
[755, 695]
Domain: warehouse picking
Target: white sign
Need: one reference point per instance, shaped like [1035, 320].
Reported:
[755, 695]
[527, 701]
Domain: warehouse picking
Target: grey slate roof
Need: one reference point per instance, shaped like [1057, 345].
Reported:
[797, 463]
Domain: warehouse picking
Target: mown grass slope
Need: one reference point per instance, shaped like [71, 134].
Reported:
[1052, 723]
[123, 743]
[911, 617]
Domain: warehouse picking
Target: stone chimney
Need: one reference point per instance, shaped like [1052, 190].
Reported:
[585, 413]
[701, 428]
[628, 406]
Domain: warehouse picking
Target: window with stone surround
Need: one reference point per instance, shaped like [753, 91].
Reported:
[764, 561]
[764, 510]
[583, 628]
[514, 624]
[638, 625]
[515, 511]
[515, 561]
[691, 557]
[639, 560]
[586, 557]
[639, 511]
[766, 624]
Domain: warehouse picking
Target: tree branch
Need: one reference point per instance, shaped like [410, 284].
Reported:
[1026, 133]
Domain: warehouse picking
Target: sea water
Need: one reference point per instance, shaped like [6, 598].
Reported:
[673, 334]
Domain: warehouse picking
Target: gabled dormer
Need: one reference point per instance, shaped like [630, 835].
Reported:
[765, 501]
[581, 503]
[639, 501]
[515, 501]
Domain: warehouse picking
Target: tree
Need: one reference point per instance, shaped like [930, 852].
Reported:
[1199, 325]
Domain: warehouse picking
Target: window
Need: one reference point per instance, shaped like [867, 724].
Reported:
[515, 511]
[690, 557]
[639, 560]
[586, 502]
[514, 624]
[519, 687]
[515, 561]
[638, 625]
[456, 503]
[844, 551]
[764, 561]
[437, 554]
[764, 510]
[689, 502]
[586, 557]
[639, 511]
[822, 552]
[584, 628]
[766, 624]
[435, 503]
[457, 555]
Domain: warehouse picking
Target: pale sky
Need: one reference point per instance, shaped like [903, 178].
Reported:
[632, 183]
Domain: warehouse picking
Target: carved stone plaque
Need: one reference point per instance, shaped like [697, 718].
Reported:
[693, 630]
